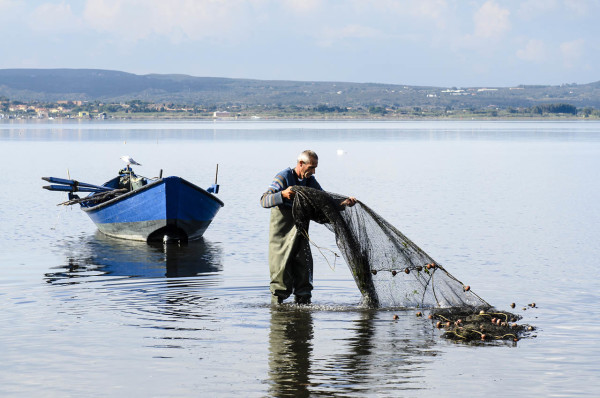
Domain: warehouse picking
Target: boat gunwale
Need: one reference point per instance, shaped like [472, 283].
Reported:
[147, 187]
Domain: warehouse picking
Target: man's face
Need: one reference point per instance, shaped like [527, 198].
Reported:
[308, 169]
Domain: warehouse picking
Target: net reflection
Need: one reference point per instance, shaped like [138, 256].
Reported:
[368, 353]
[99, 255]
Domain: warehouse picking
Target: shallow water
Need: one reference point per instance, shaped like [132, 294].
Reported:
[510, 208]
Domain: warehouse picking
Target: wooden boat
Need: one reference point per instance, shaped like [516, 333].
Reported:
[138, 208]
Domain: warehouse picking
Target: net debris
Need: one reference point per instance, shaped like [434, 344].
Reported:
[485, 326]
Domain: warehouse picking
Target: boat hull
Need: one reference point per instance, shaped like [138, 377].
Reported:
[170, 207]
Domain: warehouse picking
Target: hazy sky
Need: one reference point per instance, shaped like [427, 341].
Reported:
[422, 42]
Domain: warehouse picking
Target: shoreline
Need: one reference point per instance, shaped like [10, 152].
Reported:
[312, 118]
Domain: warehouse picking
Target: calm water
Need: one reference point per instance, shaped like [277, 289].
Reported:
[509, 208]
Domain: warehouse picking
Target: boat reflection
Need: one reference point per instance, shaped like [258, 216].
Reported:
[99, 255]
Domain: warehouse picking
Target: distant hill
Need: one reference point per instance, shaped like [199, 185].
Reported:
[50, 85]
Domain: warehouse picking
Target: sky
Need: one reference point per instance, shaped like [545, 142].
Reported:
[447, 43]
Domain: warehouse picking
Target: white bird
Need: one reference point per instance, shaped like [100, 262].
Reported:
[129, 160]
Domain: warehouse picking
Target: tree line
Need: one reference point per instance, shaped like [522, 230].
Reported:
[367, 110]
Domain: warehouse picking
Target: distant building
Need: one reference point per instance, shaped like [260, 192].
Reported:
[221, 114]
[455, 92]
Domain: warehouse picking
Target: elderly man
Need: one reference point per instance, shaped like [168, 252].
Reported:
[290, 258]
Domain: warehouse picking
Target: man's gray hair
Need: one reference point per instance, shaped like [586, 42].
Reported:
[308, 156]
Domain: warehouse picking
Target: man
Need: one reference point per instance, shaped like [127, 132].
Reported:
[290, 259]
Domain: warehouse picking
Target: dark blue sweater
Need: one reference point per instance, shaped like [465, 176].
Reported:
[281, 181]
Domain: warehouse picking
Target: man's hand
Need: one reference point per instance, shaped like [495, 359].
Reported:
[288, 193]
[351, 201]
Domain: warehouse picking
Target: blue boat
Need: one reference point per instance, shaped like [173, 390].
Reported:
[139, 208]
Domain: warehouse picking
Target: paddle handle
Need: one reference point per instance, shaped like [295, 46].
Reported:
[75, 183]
[71, 188]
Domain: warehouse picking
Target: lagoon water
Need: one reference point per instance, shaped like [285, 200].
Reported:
[511, 208]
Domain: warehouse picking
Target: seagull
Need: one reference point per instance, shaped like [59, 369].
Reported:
[127, 159]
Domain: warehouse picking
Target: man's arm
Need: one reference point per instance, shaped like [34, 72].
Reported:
[350, 201]
[277, 191]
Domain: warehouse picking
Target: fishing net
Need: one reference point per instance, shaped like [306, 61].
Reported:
[391, 271]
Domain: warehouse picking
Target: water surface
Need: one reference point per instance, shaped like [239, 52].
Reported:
[511, 208]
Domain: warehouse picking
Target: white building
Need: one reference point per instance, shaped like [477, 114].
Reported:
[221, 114]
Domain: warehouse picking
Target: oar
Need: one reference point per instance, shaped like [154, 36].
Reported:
[71, 188]
[75, 183]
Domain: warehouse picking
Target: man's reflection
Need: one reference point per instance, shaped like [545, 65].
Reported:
[364, 352]
[290, 349]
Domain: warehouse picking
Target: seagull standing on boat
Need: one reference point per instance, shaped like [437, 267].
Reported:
[129, 160]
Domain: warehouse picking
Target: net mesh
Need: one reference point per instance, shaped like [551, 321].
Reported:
[389, 269]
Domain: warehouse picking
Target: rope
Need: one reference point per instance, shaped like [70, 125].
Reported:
[335, 255]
